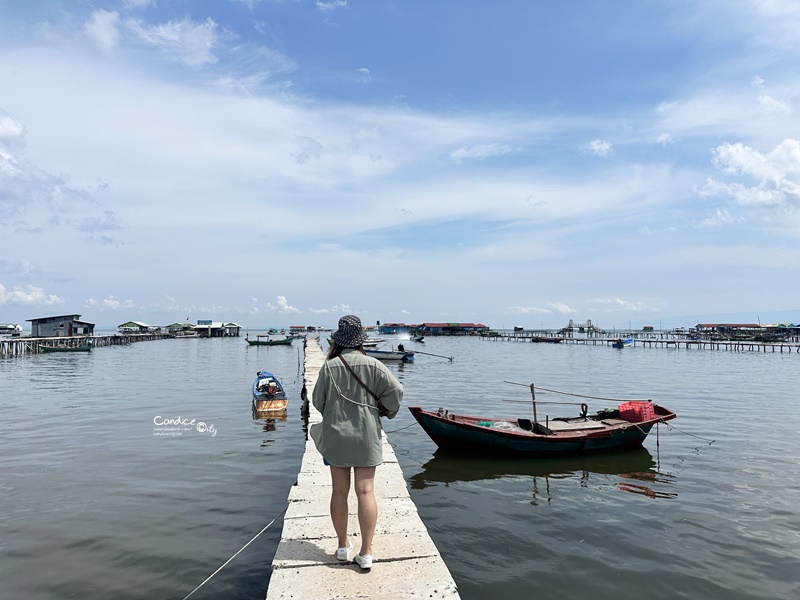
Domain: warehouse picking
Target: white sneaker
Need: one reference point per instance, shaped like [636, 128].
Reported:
[341, 553]
[365, 562]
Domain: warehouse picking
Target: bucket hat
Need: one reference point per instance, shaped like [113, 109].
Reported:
[350, 333]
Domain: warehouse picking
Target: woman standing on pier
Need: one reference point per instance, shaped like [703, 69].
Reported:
[352, 392]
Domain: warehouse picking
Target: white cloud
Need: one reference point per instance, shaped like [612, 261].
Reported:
[283, 306]
[188, 41]
[480, 152]
[546, 308]
[757, 81]
[306, 149]
[28, 295]
[341, 309]
[110, 302]
[102, 28]
[720, 217]
[363, 75]
[619, 305]
[138, 3]
[777, 174]
[19, 266]
[664, 139]
[599, 147]
[771, 105]
[12, 135]
[331, 6]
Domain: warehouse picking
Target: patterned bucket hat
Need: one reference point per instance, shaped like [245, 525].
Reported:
[350, 333]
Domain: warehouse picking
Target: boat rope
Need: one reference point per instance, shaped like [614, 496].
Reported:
[401, 429]
[537, 388]
[671, 426]
[238, 552]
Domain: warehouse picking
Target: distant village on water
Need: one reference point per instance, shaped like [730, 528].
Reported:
[72, 325]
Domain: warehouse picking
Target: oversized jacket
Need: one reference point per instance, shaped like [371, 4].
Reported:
[350, 432]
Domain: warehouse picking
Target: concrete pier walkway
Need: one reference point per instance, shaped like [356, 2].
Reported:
[406, 563]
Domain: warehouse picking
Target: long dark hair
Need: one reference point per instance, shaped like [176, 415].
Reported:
[335, 349]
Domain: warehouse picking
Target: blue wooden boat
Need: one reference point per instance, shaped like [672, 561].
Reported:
[268, 393]
[605, 431]
[622, 343]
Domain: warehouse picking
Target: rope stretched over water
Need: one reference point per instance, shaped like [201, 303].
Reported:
[671, 426]
[543, 389]
[237, 553]
[401, 429]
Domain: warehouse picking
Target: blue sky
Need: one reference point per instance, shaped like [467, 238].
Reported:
[512, 163]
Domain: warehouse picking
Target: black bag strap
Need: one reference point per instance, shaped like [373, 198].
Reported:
[358, 379]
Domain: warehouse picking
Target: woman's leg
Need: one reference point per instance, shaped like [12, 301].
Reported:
[340, 477]
[367, 507]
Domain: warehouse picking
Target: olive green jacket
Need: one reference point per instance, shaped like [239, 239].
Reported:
[350, 432]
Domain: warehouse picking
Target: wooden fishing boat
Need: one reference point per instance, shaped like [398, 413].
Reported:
[266, 340]
[606, 431]
[622, 343]
[268, 393]
[45, 348]
[390, 355]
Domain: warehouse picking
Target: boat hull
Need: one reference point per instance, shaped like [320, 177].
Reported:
[464, 433]
[65, 348]
[273, 405]
[390, 355]
[284, 342]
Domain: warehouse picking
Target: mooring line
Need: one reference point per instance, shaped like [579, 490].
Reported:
[237, 553]
[670, 426]
[401, 429]
[544, 389]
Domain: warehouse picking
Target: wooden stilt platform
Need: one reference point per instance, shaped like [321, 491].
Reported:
[651, 342]
[21, 346]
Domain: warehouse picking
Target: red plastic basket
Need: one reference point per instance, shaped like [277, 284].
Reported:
[636, 411]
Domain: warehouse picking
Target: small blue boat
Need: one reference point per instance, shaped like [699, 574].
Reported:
[268, 393]
[622, 343]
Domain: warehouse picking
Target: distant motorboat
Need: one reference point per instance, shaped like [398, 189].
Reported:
[622, 343]
[390, 355]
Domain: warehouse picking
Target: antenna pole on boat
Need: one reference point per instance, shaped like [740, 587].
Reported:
[533, 401]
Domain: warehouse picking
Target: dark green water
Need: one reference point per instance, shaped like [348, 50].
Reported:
[98, 501]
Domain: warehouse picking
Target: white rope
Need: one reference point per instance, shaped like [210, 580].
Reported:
[237, 554]
[341, 394]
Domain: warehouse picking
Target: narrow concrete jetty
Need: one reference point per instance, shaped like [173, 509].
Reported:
[406, 561]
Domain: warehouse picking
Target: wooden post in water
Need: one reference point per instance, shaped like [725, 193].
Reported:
[533, 401]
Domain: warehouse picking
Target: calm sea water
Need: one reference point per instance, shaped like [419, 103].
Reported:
[98, 501]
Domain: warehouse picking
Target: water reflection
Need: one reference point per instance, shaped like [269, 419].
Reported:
[636, 468]
[269, 422]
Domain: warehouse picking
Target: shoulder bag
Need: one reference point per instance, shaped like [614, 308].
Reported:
[381, 408]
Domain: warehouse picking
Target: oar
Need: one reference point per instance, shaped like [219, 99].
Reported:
[450, 358]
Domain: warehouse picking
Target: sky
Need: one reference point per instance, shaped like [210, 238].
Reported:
[511, 163]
